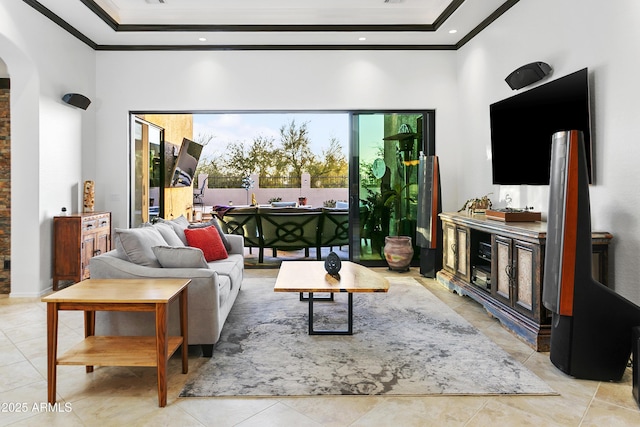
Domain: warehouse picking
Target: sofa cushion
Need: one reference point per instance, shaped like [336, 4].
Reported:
[232, 267]
[169, 234]
[208, 240]
[214, 222]
[179, 224]
[137, 244]
[180, 257]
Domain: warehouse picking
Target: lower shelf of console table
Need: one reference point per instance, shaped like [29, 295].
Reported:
[536, 335]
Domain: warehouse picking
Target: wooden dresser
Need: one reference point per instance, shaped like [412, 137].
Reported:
[77, 238]
[500, 265]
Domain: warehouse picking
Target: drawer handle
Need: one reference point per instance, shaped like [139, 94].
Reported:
[89, 225]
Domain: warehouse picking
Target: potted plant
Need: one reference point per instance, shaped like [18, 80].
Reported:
[379, 207]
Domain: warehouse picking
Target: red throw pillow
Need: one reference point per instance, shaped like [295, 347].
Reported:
[208, 240]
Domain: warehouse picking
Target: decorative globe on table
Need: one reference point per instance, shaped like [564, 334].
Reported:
[332, 264]
[398, 251]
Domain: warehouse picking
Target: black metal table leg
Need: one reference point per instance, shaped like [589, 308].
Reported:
[329, 298]
[348, 331]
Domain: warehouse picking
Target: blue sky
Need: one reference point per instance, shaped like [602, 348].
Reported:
[244, 127]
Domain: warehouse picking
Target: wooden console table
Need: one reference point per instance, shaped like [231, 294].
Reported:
[118, 295]
[500, 265]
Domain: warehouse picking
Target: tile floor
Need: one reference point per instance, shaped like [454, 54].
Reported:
[128, 396]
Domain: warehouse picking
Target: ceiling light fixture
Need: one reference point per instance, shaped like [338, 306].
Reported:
[453, 31]
[362, 38]
[202, 39]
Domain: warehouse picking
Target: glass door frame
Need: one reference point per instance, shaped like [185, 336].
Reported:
[142, 177]
[428, 147]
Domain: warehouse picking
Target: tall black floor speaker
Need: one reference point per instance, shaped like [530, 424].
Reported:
[591, 324]
[429, 227]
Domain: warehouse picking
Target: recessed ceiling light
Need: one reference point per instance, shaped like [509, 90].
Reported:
[202, 39]
[453, 31]
[362, 39]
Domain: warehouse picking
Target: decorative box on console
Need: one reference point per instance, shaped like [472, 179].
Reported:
[513, 215]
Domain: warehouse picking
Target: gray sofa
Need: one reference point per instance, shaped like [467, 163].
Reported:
[213, 289]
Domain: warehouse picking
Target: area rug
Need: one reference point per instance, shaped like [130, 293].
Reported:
[405, 342]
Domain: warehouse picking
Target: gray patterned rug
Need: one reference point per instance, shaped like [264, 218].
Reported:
[405, 342]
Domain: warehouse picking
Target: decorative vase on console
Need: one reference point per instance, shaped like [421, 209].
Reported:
[398, 251]
[88, 197]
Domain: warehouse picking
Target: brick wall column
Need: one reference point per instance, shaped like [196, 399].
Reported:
[5, 187]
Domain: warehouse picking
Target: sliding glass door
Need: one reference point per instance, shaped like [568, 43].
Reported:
[146, 197]
[384, 178]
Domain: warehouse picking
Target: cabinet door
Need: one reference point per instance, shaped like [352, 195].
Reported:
[502, 269]
[462, 253]
[449, 246]
[526, 272]
[103, 243]
[88, 248]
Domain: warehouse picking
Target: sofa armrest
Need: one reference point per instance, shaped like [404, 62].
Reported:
[237, 243]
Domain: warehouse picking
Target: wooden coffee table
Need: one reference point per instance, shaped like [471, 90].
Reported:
[118, 295]
[311, 277]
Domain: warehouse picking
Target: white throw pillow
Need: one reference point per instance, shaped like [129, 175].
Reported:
[137, 244]
[169, 234]
[178, 224]
[180, 257]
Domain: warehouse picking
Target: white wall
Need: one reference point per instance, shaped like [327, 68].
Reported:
[249, 81]
[569, 35]
[47, 136]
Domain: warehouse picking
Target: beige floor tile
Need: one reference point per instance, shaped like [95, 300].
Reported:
[17, 375]
[9, 355]
[605, 414]
[618, 393]
[115, 410]
[333, 411]
[422, 411]
[279, 415]
[502, 412]
[223, 411]
[45, 416]
[172, 415]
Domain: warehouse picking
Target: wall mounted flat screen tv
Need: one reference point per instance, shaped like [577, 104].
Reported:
[522, 126]
[186, 163]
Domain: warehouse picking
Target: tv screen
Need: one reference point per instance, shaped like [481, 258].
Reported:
[185, 165]
[522, 126]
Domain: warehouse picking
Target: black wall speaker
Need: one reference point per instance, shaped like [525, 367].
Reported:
[528, 74]
[591, 324]
[77, 100]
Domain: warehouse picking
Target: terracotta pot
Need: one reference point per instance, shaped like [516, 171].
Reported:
[398, 251]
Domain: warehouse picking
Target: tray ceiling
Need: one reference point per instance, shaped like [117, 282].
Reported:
[272, 24]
